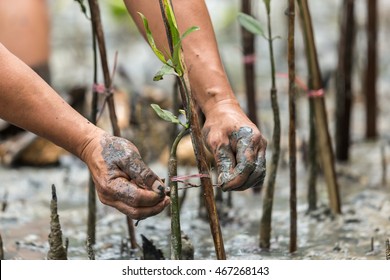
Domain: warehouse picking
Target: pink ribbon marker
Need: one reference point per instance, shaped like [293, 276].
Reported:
[186, 177]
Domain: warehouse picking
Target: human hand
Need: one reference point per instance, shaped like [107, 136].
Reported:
[238, 147]
[122, 179]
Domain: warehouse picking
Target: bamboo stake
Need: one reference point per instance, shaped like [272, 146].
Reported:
[323, 138]
[266, 219]
[292, 128]
[98, 30]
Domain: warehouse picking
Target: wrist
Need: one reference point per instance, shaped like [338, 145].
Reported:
[90, 144]
[217, 106]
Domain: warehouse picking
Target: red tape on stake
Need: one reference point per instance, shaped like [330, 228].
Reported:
[312, 93]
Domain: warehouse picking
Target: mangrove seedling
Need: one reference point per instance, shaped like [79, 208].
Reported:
[171, 66]
[254, 26]
[173, 63]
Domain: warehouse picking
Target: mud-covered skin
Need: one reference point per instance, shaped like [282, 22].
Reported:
[238, 148]
[124, 181]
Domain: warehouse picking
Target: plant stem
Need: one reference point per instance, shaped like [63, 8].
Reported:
[266, 219]
[292, 128]
[97, 25]
[371, 70]
[199, 149]
[315, 83]
[176, 252]
[249, 52]
[387, 249]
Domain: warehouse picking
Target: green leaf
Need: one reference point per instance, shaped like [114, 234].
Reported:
[165, 114]
[177, 50]
[166, 69]
[251, 24]
[150, 39]
[171, 21]
[189, 31]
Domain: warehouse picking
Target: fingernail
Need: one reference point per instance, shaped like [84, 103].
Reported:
[158, 188]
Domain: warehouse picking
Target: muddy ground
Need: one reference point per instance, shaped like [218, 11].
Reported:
[359, 233]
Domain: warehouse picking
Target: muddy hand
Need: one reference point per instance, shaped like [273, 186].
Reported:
[124, 181]
[238, 148]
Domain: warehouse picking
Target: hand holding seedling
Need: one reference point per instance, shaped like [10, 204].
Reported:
[122, 179]
[237, 145]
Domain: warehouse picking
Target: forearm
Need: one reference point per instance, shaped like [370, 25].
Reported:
[206, 73]
[28, 102]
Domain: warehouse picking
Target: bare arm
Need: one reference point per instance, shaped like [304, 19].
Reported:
[237, 144]
[122, 179]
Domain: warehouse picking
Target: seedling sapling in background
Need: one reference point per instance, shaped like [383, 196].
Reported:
[254, 26]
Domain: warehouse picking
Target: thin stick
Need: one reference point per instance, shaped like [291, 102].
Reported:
[91, 224]
[384, 165]
[371, 70]
[249, 63]
[292, 133]
[98, 29]
[266, 219]
[1, 248]
[387, 249]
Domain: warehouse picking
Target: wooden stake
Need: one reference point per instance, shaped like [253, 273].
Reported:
[344, 80]
[371, 70]
[321, 121]
[98, 30]
[292, 132]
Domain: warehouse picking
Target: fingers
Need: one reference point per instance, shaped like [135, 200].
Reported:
[246, 168]
[256, 178]
[139, 213]
[225, 161]
[143, 176]
[131, 200]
